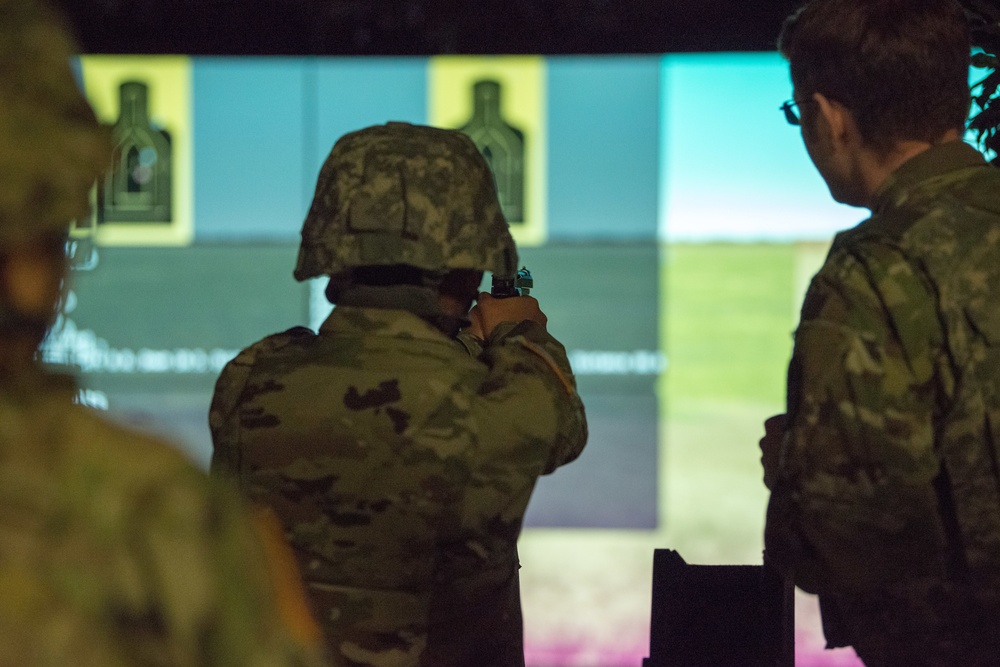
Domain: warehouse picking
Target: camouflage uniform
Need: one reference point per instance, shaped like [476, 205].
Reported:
[114, 550]
[887, 501]
[401, 458]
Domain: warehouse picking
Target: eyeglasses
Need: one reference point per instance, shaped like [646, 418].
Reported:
[791, 114]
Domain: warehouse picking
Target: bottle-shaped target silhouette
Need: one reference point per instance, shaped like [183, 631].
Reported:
[137, 188]
[501, 144]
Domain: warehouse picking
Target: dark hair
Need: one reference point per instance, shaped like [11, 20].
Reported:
[900, 66]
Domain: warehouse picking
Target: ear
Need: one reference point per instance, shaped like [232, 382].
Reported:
[838, 119]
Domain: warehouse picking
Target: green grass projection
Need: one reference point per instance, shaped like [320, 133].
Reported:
[729, 320]
[726, 327]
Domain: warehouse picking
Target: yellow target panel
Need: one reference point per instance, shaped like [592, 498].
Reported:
[147, 196]
[500, 103]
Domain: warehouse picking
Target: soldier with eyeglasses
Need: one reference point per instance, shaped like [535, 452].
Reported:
[884, 474]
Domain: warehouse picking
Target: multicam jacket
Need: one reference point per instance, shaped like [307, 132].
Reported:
[114, 550]
[887, 502]
[401, 466]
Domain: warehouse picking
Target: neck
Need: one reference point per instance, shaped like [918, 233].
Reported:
[17, 355]
[875, 168]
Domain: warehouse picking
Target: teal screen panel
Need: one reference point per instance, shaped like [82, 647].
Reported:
[603, 120]
[352, 93]
[731, 168]
[250, 139]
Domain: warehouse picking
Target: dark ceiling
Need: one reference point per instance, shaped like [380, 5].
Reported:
[424, 27]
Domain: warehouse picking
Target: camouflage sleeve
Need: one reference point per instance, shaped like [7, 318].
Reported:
[853, 491]
[472, 345]
[531, 390]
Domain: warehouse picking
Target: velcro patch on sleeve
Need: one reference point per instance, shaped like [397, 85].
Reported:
[540, 352]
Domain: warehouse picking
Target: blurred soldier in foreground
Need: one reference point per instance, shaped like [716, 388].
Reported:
[884, 477]
[400, 453]
[113, 549]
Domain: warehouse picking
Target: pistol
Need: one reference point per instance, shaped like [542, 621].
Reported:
[520, 284]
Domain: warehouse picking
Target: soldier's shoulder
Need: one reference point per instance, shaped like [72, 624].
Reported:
[47, 428]
[863, 257]
[292, 336]
[124, 458]
[126, 481]
[145, 519]
[232, 380]
[297, 335]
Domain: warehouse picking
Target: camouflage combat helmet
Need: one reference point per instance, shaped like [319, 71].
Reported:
[405, 194]
[51, 146]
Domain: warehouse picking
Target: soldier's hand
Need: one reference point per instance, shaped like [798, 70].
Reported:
[770, 446]
[490, 311]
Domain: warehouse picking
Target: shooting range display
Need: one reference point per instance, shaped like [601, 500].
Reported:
[668, 250]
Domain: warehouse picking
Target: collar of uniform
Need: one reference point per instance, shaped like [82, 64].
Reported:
[417, 300]
[935, 161]
[361, 320]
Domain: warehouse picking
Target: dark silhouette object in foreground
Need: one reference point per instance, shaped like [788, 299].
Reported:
[711, 615]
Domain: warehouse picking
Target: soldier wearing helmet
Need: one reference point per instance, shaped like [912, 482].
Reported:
[401, 442]
[114, 550]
